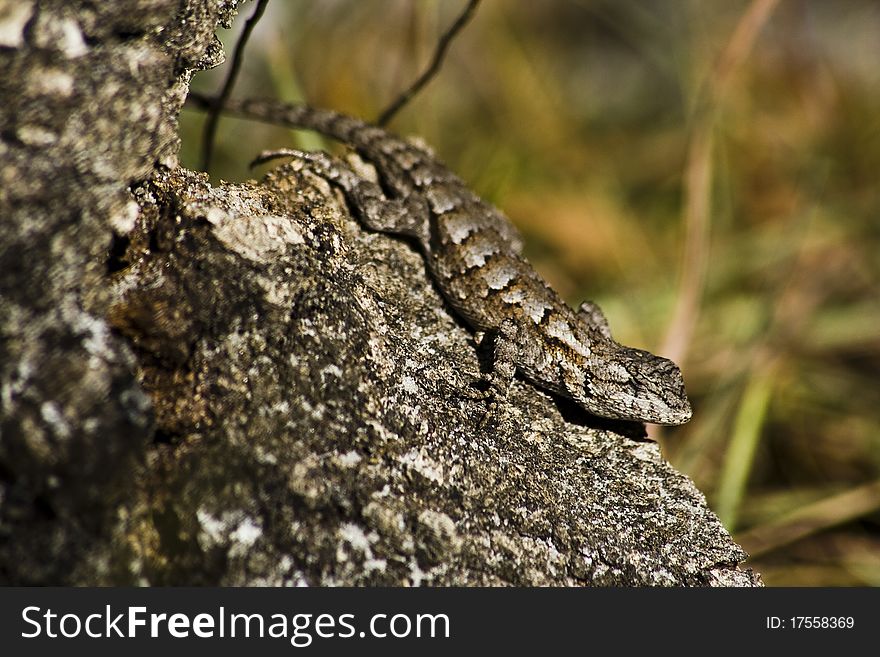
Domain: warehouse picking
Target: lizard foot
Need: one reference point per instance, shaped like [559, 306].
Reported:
[493, 415]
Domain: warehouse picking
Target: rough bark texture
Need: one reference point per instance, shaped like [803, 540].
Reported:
[240, 385]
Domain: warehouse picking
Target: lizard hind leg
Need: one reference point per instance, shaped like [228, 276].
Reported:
[400, 216]
[593, 315]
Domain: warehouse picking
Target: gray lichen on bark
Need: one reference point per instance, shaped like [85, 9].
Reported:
[246, 387]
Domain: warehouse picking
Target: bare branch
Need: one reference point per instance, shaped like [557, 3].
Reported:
[439, 54]
[215, 105]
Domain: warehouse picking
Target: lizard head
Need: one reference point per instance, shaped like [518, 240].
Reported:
[631, 384]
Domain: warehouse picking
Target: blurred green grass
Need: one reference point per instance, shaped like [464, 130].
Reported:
[575, 117]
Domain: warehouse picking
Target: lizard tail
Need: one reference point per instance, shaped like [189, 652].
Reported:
[327, 122]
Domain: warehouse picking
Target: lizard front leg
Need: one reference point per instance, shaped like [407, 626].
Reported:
[407, 215]
[593, 316]
[504, 357]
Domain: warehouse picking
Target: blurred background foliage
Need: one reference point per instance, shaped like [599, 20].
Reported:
[706, 170]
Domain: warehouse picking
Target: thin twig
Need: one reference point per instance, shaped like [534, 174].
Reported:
[216, 106]
[439, 54]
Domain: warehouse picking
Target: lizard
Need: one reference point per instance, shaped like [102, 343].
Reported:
[474, 254]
